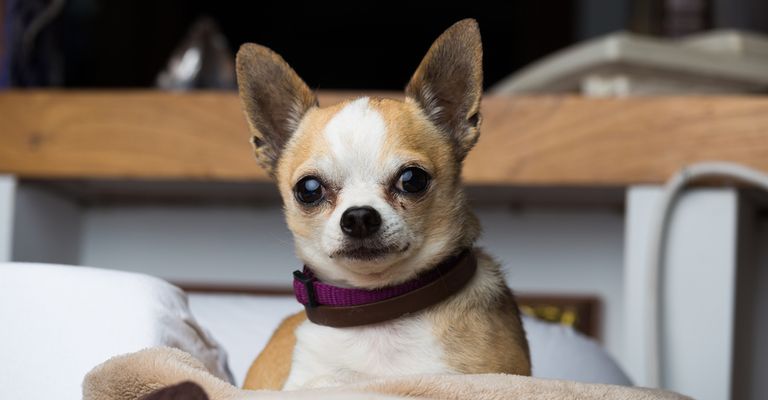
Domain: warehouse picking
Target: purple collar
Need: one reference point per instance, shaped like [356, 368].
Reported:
[337, 306]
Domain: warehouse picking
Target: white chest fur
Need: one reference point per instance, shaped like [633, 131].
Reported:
[326, 356]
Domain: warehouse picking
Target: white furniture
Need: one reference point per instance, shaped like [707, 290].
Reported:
[626, 64]
[58, 322]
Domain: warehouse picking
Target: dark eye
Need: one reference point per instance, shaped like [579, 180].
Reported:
[309, 190]
[412, 180]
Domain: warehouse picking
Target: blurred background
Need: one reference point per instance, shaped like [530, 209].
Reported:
[123, 146]
[92, 43]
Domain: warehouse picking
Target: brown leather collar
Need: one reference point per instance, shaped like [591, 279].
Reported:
[454, 275]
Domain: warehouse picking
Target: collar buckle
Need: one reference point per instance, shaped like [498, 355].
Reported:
[307, 280]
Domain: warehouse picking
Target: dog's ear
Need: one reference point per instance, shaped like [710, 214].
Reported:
[449, 82]
[274, 99]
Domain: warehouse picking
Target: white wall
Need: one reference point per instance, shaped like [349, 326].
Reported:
[216, 244]
[46, 226]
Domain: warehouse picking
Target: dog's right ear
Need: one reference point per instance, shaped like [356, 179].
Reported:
[274, 99]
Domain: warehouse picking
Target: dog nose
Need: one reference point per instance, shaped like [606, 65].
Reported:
[360, 222]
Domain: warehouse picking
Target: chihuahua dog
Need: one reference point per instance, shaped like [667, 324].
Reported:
[371, 187]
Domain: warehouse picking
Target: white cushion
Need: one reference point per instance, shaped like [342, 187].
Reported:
[559, 352]
[58, 322]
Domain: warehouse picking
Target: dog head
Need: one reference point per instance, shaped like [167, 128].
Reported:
[371, 187]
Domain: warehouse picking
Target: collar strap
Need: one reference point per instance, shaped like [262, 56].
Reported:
[344, 307]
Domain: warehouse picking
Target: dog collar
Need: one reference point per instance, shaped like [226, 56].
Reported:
[344, 307]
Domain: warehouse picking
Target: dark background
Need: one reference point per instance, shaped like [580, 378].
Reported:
[374, 45]
[347, 45]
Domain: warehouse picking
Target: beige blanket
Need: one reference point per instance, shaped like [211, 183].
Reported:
[132, 376]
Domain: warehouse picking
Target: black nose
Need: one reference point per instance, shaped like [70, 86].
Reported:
[360, 222]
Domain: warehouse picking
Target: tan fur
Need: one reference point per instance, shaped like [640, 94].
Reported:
[270, 369]
[410, 133]
[274, 100]
[480, 328]
[438, 123]
[449, 83]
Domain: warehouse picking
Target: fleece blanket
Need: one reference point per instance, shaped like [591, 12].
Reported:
[136, 375]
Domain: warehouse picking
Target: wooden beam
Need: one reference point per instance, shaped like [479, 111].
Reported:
[125, 134]
[548, 140]
[582, 141]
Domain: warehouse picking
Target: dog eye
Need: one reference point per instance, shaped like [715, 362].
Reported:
[309, 190]
[412, 180]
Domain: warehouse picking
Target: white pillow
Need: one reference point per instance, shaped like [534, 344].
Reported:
[559, 352]
[58, 322]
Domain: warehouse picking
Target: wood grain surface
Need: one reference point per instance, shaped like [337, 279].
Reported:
[531, 141]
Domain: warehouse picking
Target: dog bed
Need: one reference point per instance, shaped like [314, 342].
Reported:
[60, 321]
[138, 375]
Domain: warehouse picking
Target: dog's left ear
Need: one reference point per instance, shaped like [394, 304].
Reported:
[448, 84]
[274, 99]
